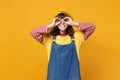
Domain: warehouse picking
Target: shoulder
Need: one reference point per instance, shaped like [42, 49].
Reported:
[79, 37]
[47, 38]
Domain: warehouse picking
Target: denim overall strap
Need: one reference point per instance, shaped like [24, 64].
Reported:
[54, 38]
[72, 38]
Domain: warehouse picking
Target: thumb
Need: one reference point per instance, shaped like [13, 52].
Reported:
[57, 23]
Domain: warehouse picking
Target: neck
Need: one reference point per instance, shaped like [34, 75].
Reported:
[62, 32]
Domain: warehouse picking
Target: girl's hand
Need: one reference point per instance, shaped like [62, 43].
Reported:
[55, 22]
[69, 21]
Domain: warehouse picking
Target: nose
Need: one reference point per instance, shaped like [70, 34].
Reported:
[62, 21]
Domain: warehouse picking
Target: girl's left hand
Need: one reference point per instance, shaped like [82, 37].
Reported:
[69, 21]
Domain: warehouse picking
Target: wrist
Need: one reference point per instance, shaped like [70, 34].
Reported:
[49, 26]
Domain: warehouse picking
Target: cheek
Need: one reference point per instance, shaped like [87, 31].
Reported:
[66, 26]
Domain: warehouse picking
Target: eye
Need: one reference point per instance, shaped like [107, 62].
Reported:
[57, 20]
[66, 19]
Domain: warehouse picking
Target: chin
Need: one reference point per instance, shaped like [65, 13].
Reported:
[62, 29]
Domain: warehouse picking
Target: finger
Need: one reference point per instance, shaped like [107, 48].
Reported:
[68, 23]
[56, 24]
[67, 18]
[57, 20]
[54, 20]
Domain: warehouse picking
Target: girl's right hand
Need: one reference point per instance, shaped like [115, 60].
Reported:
[56, 21]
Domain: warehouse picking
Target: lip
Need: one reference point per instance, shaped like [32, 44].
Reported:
[62, 26]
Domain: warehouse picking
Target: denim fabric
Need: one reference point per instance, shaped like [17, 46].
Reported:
[63, 63]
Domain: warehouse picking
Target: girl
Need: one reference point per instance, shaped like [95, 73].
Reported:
[63, 44]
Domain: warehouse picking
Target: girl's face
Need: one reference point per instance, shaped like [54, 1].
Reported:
[63, 25]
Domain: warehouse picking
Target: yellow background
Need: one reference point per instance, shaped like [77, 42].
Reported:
[23, 58]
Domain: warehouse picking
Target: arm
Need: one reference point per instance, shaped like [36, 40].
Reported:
[86, 27]
[38, 33]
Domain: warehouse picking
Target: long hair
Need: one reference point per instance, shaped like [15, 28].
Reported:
[56, 31]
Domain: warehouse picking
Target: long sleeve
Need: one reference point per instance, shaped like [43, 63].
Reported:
[38, 33]
[87, 29]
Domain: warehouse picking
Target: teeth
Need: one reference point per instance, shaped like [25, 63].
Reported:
[62, 26]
